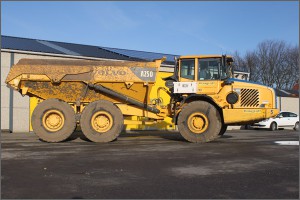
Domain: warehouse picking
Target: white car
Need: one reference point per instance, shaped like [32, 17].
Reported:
[282, 120]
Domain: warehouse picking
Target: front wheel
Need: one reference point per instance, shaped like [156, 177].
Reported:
[296, 128]
[273, 126]
[101, 121]
[199, 121]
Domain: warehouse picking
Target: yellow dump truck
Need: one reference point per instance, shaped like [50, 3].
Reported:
[102, 96]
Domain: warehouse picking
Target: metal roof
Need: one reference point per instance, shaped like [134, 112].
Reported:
[34, 45]
[23, 44]
[143, 54]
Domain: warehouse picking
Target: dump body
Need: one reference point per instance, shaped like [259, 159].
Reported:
[68, 79]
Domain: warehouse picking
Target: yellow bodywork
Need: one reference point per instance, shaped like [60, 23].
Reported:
[166, 123]
[136, 122]
[263, 107]
[255, 102]
[249, 107]
[67, 80]
[141, 81]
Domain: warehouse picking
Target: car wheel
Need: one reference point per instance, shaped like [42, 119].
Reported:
[296, 128]
[273, 126]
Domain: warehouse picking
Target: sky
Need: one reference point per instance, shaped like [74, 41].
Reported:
[178, 27]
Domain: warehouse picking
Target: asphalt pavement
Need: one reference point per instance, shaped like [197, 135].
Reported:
[243, 164]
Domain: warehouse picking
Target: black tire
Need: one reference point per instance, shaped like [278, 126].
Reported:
[296, 127]
[210, 122]
[273, 126]
[101, 121]
[247, 127]
[223, 129]
[53, 120]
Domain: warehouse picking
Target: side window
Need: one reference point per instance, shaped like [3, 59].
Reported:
[285, 114]
[187, 69]
[293, 115]
[209, 69]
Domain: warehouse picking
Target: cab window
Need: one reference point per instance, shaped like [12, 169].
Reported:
[212, 69]
[209, 69]
[187, 69]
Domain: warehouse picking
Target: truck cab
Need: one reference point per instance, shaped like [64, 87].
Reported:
[207, 71]
[203, 84]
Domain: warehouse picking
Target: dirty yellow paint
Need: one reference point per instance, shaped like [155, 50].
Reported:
[232, 116]
[141, 83]
[166, 124]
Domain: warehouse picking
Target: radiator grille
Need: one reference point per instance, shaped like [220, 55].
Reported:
[249, 98]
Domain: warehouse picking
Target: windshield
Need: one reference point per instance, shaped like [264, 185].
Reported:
[212, 69]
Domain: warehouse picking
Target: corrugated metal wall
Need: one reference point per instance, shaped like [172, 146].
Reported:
[290, 104]
[14, 107]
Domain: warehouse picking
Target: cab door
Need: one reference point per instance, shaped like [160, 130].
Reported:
[187, 70]
[208, 75]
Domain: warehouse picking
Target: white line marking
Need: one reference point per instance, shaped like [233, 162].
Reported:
[287, 142]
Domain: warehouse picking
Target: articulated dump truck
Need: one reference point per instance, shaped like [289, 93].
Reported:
[102, 96]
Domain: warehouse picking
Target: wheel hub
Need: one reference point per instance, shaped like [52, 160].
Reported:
[53, 120]
[198, 123]
[102, 121]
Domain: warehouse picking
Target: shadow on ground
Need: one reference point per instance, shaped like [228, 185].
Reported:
[168, 135]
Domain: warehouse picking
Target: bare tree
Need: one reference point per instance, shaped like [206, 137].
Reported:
[251, 61]
[293, 67]
[248, 63]
[239, 62]
[273, 63]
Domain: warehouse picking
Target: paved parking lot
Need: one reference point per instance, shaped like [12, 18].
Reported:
[242, 164]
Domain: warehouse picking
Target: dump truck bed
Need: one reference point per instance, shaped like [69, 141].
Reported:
[68, 79]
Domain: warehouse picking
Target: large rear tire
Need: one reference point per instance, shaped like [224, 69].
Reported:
[53, 120]
[199, 121]
[101, 121]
